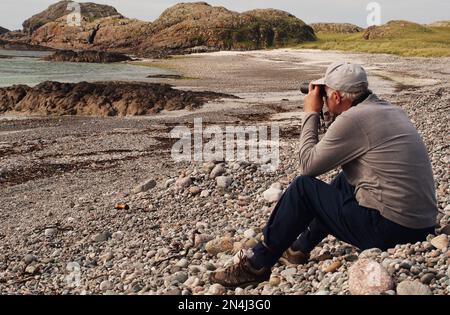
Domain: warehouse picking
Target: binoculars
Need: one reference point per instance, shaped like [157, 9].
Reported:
[304, 88]
[326, 119]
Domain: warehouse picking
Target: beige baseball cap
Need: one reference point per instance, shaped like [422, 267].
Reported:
[345, 77]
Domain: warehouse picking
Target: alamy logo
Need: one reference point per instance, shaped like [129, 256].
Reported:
[73, 279]
[232, 143]
[74, 18]
[374, 17]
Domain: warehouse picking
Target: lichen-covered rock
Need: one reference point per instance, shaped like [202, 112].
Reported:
[367, 277]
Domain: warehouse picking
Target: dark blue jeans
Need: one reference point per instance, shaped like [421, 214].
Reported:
[314, 209]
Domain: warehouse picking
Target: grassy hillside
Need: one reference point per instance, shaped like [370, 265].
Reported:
[396, 37]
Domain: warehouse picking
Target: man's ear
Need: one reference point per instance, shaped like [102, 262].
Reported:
[337, 97]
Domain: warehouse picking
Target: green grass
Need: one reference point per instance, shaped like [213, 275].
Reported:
[435, 42]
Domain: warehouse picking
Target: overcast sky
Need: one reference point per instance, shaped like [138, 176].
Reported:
[14, 12]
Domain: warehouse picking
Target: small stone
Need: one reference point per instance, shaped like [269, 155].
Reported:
[440, 242]
[223, 181]
[406, 264]
[370, 253]
[210, 266]
[272, 194]
[351, 258]
[274, 281]
[250, 233]
[427, 278]
[106, 257]
[208, 166]
[239, 291]
[102, 237]
[217, 171]
[31, 269]
[201, 239]
[180, 276]
[175, 291]
[412, 288]
[169, 182]
[277, 185]
[49, 233]
[118, 236]
[446, 230]
[183, 183]
[333, 266]
[106, 285]
[204, 193]
[217, 289]
[220, 245]
[367, 276]
[182, 263]
[198, 290]
[289, 272]
[194, 190]
[145, 186]
[250, 243]
[29, 259]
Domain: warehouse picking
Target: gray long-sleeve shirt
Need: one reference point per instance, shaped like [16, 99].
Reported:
[381, 154]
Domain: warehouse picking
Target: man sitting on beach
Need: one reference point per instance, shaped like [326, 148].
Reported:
[384, 196]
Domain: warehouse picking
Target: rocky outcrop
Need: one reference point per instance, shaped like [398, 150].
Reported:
[189, 25]
[89, 13]
[336, 28]
[394, 29]
[115, 33]
[100, 98]
[3, 30]
[20, 45]
[440, 24]
[183, 28]
[87, 56]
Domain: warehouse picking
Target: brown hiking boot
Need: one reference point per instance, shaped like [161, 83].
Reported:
[292, 258]
[240, 275]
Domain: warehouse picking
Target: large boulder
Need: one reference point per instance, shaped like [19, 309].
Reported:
[367, 277]
[99, 98]
[89, 13]
[336, 28]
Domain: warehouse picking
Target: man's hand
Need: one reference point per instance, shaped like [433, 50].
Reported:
[313, 101]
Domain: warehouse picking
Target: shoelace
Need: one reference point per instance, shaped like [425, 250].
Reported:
[240, 268]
